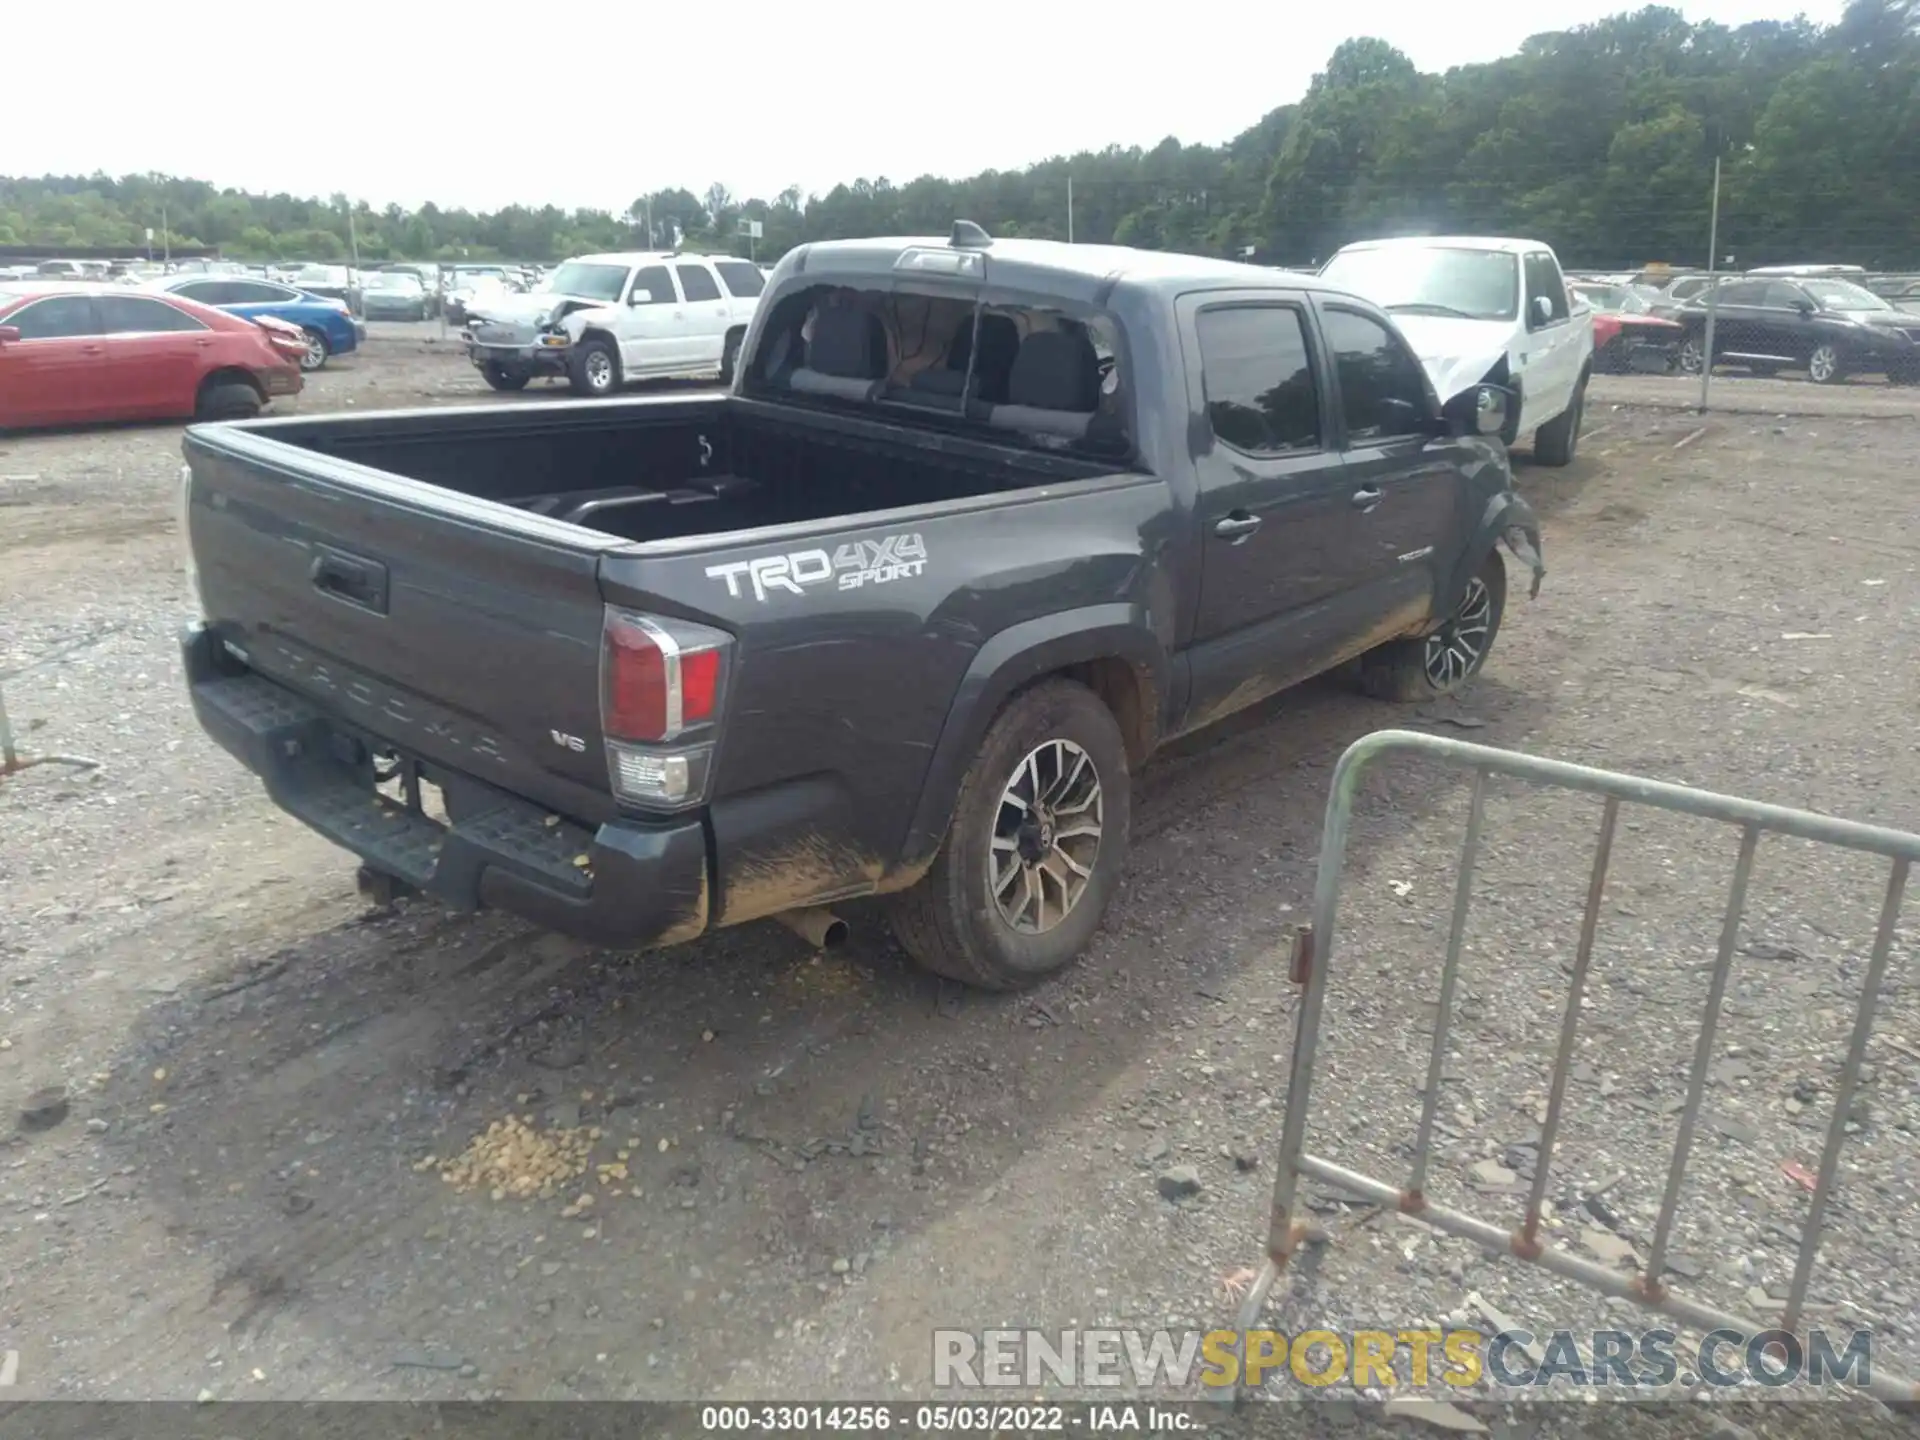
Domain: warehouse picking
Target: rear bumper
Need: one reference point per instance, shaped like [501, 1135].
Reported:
[643, 884]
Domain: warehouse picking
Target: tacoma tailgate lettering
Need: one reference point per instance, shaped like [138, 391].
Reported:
[852, 564]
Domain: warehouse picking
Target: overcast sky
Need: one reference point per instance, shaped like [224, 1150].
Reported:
[591, 107]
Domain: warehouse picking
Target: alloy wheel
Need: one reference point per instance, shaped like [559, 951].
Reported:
[1823, 364]
[1455, 649]
[599, 371]
[1046, 837]
[316, 355]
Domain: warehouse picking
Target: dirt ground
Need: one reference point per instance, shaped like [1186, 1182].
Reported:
[821, 1159]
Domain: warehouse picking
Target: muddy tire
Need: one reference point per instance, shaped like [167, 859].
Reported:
[1035, 848]
[227, 400]
[594, 368]
[1430, 666]
[503, 379]
[1554, 443]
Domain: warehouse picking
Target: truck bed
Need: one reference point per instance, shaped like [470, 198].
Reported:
[430, 589]
[665, 468]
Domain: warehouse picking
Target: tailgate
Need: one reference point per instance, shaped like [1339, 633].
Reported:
[461, 631]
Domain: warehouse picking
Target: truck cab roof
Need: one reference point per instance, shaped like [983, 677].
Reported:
[1458, 242]
[1086, 273]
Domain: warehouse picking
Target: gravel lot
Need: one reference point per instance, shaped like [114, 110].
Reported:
[825, 1158]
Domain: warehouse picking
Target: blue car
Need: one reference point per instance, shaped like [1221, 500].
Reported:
[330, 329]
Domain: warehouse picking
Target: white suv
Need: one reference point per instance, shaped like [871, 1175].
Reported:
[602, 320]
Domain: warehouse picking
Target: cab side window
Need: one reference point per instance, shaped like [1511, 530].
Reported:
[1544, 283]
[1383, 390]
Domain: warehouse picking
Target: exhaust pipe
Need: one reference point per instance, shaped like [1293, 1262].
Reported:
[816, 925]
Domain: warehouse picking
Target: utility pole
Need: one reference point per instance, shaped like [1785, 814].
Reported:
[649, 222]
[166, 238]
[1713, 287]
[1069, 209]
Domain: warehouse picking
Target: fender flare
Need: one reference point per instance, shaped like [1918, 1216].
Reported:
[1007, 663]
[1507, 518]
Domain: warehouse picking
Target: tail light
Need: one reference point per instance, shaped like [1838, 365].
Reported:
[662, 685]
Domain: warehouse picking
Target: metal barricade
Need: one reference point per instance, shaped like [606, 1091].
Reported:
[1313, 962]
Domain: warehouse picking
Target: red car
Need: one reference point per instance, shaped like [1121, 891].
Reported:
[1627, 335]
[73, 353]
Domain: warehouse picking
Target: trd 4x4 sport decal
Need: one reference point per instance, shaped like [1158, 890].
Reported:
[847, 567]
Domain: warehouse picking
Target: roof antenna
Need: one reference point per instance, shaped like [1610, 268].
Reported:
[968, 236]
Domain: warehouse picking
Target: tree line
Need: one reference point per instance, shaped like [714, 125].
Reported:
[1601, 140]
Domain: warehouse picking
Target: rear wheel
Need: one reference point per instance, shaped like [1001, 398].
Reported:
[227, 400]
[594, 368]
[318, 350]
[501, 378]
[1555, 442]
[1430, 666]
[1035, 848]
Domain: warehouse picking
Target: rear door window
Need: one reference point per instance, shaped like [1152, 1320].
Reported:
[1257, 372]
[136, 315]
[697, 281]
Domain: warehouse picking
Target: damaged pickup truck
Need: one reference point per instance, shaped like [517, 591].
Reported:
[1481, 310]
[979, 525]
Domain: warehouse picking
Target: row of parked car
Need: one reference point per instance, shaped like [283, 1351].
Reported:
[1830, 321]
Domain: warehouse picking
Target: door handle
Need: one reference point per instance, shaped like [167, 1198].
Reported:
[1237, 526]
[93, 349]
[1366, 498]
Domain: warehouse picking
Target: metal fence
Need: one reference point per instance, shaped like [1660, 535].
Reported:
[1313, 964]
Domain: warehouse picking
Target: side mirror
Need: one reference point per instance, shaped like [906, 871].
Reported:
[1805, 307]
[1542, 310]
[1480, 410]
[9, 334]
[640, 297]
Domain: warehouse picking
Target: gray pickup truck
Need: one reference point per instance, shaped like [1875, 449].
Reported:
[979, 525]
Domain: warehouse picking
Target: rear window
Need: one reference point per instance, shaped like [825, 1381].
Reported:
[743, 281]
[1015, 369]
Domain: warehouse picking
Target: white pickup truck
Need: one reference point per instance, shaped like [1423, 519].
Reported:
[602, 320]
[1479, 309]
